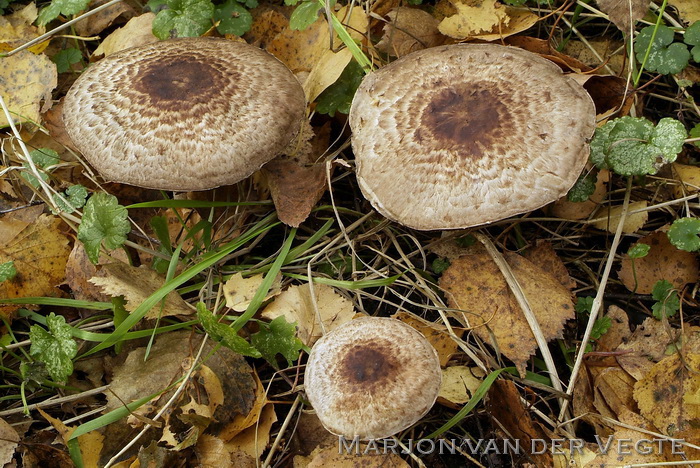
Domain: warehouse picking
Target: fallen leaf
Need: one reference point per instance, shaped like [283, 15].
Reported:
[254, 440]
[409, 30]
[519, 21]
[545, 257]
[136, 284]
[459, 384]
[39, 252]
[325, 72]
[239, 291]
[646, 346]
[324, 457]
[17, 29]
[607, 218]
[268, 22]
[16, 221]
[688, 178]
[241, 422]
[543, 48]
[669, 395]
[436, 334]
[90, 443]
[98, 22]
[573, 211]
[613, 392]
[621, 450]
[624, 13]
[689, 10]
[619, 331]
[296, 305]
[595, 52]
[10, 441]
[28, 80]
[492, 310]
[663, 262]
[137, 31]
[474, 17]
[79, 270]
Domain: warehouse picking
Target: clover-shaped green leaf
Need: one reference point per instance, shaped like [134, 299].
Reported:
[582, 189]
[104, 220]
[65, 58]
[664, 55]
[74, 197]
[61, 7]
[692, 37]
[182, 18]
[54, 347]
[338, 96]
[667, 299]
[684, 234]
[277, 337]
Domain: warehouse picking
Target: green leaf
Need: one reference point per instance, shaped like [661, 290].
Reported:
[234, 18]
[439, 265]
[224, 334]
[665, 56]
[692, 37]
[582, 189]
[104, 220]
[338, 96]
[7, 271]
[304, 15]
[183, 18]
[584, 305]
[600, 327]
[633, 146]
[75, 196]
[61, 7]
[639, 250]
[695, 133]
[684, 234]
[65, 58]
[277, 337]
[667, 299]
[54, 347]
[42, 158]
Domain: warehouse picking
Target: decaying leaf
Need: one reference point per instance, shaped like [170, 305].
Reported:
[17, 29]
[607, 217]
[79, 270]
[663, 262]
[688, 178]
[10, 441]
[409, 30]
[459, 384]
[645, 347]
[138, 31]
[239, 291]
[136, 284]
[689, 10]
[563, 208]
[39, 252]
[435, 333]
[28, 80]
[98, 22]
[324, 457]
[613, 392]
[474, 17]
[624, 13]
[325, 72]
[241, 422]
[491, 309]
[296, 305]
[254, 440]
[544, 256]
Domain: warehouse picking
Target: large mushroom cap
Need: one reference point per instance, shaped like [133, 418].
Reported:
[372, 377]
[462, 135]
[184, 114]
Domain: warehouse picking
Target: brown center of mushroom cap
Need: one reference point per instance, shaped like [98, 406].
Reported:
[466, 118]
[368, 365]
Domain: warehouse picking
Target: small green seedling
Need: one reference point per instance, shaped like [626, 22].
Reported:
[338, 96]
[61, 7]
[582, 189]
[583, 307]
[54, 347]
[43, 159]
[104, 220]
[278, 337]
[667, 301]
[72, 199]
[65, 58]
[684, 234]
[7, 271]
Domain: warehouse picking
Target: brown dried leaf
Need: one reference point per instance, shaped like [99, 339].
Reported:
[435, 333]
[459, 384]
[664, 262]
[545, 257]
[10, 441]
[689, 10]
[136, 284]
[607, 218]
[241, 422]
[39, 252]
[98, 22]
[254, 440]
[565, 209]
[646, 346]
[613, 392]
[688, 178]
[409, 30]
[543, 48]
[295, 189]
[492, 309]
[624, 13]
[619, 331]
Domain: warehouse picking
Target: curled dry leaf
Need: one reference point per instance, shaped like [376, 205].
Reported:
[136, 284]
[408, 30]
[487, 20]
[17, 29]
[241, 422]
[254, 440]
[624, 13]
[613, 392]
[98, 22]
[296, 305]
[28, 80]
[10, 441]
[607, 218]
[573, 211]
[663, 262]
[137, 31]
[435, 333]
[239, 291]
[459, 384]
[688, 178]
[475, 285]
[39, 252]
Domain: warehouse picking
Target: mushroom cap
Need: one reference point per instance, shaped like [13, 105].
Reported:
[184, 114]
[462, 135]
[372, 377]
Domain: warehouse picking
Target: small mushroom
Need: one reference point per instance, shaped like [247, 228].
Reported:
[372, 377]
[462, 135]
[184, 114]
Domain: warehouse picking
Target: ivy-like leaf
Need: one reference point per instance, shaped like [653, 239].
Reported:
[75, 196]
[633, 146]
[639, 250]
[584, 305]
[665, 56]
[692, 37]
[42, 158]
[224, 334]
[338, 96]
[601, 327]
[183, 18]
[304, 15]
[277, 337]
[683, 234]
[667, 299]
[582, 189]
[61, 7]
[233, 18]
[7, 271]
[65, 58]
[104, 220]
[54, 347]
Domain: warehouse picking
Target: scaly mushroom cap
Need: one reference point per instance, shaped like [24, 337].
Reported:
[372, 377]
[184, 114]
[461, 135]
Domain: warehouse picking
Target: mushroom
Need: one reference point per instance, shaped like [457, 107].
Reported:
[372, 377]
[462, 135]
[184, 114]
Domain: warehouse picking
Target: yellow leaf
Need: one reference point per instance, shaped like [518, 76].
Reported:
[474, 18]
[17, 29]
[459, 383]
[138, 31]
[689, 10]
[325, 72]
[28, 79]
[607, 218]
[688, 178]
[436, 334]
[239, 291]
[254, 440]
